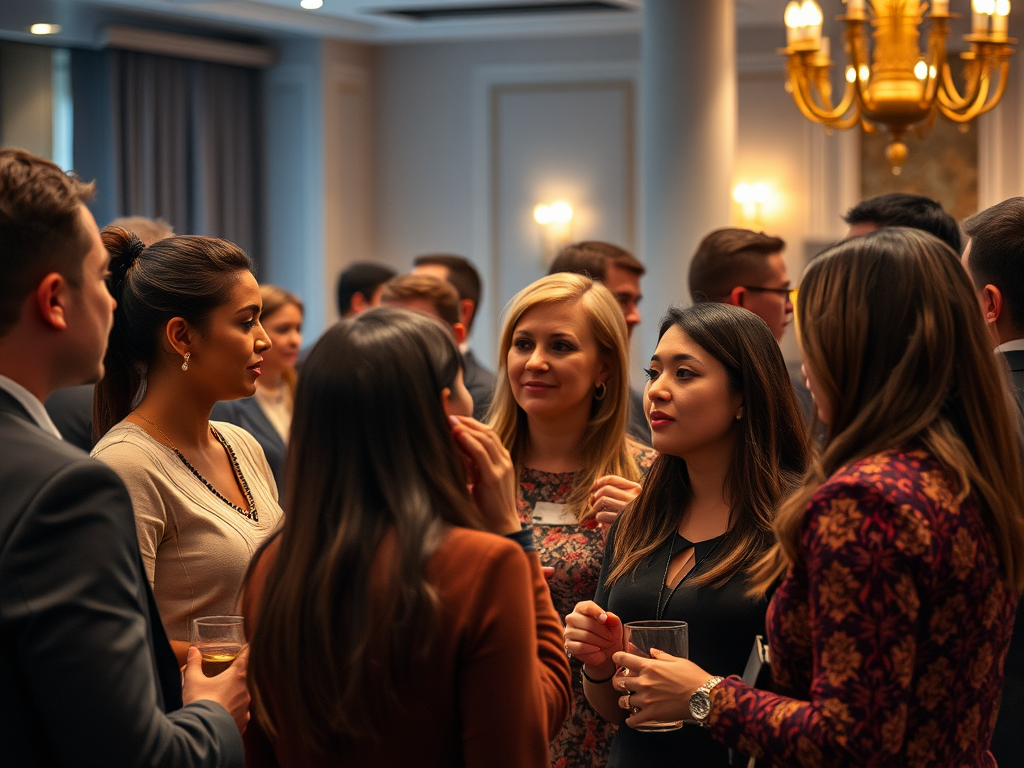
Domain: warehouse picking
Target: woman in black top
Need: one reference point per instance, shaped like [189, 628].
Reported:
[728, 427]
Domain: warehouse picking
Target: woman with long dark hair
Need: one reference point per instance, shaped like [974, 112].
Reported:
[902, 556]
[727, 427]
[389, 625]
[186, 334]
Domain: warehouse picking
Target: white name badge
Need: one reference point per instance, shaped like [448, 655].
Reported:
[546, 513]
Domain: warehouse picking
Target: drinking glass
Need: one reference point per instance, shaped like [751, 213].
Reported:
[669, 636]
[219, 640]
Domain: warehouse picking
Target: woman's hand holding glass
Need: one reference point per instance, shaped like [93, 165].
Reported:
[609, 496]
[491, 474]
[592, 635]
[659, 688]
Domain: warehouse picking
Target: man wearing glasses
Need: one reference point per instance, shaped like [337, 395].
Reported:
[745, 269]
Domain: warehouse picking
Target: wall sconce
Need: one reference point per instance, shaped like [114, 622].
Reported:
[753, 199]
[555, 220]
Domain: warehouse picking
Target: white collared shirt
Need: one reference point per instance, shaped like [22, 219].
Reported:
[31, 404]
[1014, 345]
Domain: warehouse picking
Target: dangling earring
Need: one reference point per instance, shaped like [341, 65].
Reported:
[600, 390]
[184, 366]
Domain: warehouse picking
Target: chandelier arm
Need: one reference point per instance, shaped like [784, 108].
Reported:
[951, 95]
[966, 113]
[982, 105]
[803, 96]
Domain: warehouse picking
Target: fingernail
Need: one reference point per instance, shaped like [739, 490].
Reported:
[603, 617]
[454, 420]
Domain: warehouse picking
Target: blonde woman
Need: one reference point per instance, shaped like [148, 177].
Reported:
[267, 415]
[561, 404]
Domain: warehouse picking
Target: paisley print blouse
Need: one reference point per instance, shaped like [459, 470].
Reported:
[888, 637]
[575, 552]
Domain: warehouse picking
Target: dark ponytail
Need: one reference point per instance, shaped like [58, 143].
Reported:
[186, 276]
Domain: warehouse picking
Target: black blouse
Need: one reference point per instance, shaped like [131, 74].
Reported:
[722, 622]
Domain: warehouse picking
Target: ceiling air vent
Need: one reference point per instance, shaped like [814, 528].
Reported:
[464, 12]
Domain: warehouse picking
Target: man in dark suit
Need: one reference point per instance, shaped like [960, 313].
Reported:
[994, 258]
[462, 275]
[87, 676]
[620, 271]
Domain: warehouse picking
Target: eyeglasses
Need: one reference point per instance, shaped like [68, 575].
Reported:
[761, 289]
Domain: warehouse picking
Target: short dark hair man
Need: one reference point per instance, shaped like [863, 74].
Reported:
[620, 271]
[746, 269]
[900, 209]
[462, 275]
[429, 295]
[994, 258]
[359, 287]
[87, 676]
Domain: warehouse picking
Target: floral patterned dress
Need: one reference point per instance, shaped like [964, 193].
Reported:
[575, 552]
[889, 637]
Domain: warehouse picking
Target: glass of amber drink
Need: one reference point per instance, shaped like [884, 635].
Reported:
[219, 639]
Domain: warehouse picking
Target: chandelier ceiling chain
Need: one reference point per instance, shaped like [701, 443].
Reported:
[896, 86]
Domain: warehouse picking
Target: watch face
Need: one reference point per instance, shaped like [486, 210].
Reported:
[700, 706]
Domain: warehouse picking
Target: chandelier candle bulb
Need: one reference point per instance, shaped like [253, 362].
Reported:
[940, 8]
[854, 8]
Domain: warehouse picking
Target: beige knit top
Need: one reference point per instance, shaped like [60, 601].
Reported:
[195, 547]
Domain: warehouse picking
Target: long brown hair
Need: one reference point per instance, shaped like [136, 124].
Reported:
[769, 456]
[604, 449]
[275, 298]
[374, 480]
[890, 328]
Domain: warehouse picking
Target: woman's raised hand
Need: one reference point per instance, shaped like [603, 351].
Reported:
[492, 476]
[592, 635]
[609, 496]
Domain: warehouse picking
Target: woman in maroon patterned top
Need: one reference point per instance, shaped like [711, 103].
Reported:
[560, 406]
[902, 558]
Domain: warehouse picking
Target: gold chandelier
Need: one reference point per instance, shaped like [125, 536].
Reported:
[898, 88]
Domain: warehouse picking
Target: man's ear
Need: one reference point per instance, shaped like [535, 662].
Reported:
[737, 296]
[991, 304]
[467, 308]
[460, 332]
[50, 298]
[358, 303]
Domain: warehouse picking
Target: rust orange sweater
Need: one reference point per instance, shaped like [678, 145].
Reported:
[496, 688]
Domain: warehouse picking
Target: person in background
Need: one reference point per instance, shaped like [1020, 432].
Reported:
[900, 209]
[561, 401]
[731, 446]
[412, 635]
[87, 677]
[186, 335]
[746, 269]
[620, 270]
[902, 557]
[463, 276]
[359, 287]
[267, 415]
[994, 259]
[429, 295]
[71, 407]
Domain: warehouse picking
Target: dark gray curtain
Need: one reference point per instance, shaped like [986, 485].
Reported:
[186, 137]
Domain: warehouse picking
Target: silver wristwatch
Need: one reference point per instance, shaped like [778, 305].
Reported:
[700, 701]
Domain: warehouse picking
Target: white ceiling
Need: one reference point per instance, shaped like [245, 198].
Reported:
[366, 20]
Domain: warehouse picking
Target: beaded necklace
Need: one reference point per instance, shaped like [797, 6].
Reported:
[251, 513]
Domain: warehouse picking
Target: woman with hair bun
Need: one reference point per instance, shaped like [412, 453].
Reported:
[186, 334]
[267, 415]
